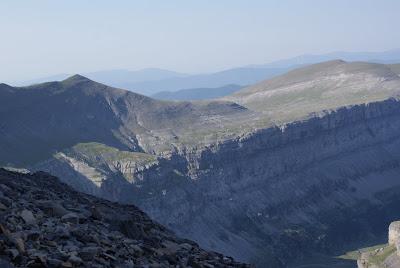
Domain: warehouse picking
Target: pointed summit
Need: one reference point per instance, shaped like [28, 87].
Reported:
[4, 87]
[77, 78]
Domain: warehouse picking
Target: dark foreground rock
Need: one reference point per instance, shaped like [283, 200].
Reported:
[44, 223]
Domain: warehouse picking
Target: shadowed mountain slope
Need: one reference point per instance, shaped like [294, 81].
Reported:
[38, 120]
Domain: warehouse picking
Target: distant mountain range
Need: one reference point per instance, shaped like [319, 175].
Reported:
[387, 57]
[120, 78]
[238, 76]
[197, 93]
[153, 80]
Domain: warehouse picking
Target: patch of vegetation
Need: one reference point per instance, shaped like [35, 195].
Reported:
[380, 256]
[94, 149]
[355, 254]
[376, 254]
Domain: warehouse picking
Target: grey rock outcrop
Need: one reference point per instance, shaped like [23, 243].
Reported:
[387, 256]
[394, 233]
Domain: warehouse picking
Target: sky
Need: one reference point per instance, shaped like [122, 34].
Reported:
[46, 37]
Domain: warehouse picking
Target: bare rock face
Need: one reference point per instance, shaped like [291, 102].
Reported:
[278, 193]
[394, 236]
[394, 233]
[44, 223]
[386, 256]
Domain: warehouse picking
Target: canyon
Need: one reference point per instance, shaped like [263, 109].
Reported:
[302, 165]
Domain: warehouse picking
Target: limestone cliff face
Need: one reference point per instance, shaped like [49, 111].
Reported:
[289, 189]
[387, 256]
[274, 195]
[394, 234]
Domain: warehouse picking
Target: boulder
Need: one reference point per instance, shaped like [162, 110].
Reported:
[71, 218]
[28, 217]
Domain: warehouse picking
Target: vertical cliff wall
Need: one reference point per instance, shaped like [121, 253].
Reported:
[275, 195]
[306, 186]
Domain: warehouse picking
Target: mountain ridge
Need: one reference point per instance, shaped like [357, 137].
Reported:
[223, 176]
[152, 80]
[100, 113]
[319, 87]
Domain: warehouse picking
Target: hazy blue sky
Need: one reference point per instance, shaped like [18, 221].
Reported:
[40, 38]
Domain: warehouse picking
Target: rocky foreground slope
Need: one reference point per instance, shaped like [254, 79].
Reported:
[44, 223]
[307, 164]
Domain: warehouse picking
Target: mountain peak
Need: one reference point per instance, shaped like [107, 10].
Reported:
[4, 85]
[77, 78]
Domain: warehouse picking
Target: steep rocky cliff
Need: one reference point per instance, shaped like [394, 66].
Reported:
[384, 256]
[311, 174]
[281, 192]
[44, 223]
